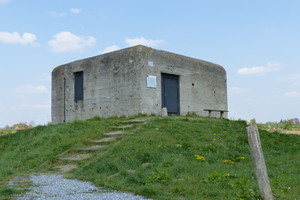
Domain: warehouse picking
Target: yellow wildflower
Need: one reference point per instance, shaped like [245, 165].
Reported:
[227, 161]
[198, 157]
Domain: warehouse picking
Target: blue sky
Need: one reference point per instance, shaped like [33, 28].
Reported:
[257, 42]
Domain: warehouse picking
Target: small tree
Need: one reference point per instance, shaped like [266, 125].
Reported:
[253, 121]
[7, 127]
[31, 124]
[287, 124]
[20, 125]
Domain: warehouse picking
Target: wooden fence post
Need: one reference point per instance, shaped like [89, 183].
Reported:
[259, 163]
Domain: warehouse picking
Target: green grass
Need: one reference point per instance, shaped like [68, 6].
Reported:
[166, 158]
[6, 131]
[36, 149]
[279, 127]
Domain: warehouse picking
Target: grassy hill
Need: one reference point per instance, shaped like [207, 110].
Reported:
[6, 131]
[160, 158]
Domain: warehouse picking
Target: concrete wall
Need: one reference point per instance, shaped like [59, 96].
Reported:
[111, 87]
[203, 85]
[115, 84]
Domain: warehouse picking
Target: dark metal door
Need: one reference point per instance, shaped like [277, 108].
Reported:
[170, 93]
[78, 86]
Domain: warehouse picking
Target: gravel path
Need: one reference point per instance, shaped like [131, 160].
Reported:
[55, 187]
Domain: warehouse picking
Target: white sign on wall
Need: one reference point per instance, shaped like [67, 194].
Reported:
[150, 64]
[151, 81]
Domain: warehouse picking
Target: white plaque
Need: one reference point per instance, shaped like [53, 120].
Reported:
[151, 81]
[150, 64]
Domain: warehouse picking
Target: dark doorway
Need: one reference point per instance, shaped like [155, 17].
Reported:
[170, 93]
[78, 86]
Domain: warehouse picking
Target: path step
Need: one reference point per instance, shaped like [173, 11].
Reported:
[91, 148]
[107, 139]
[76, 157]
[65, 168]
[135, 120]
[131, 171]
[125, 126]
[115, 133]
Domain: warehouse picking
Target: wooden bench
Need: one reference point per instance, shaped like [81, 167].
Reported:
[214, 110]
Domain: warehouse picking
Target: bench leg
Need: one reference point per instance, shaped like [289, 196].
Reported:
[221, 114]
[209, 112]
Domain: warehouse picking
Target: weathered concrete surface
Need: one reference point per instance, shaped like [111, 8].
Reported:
[76, 157]
[115, 84]
[111, 87]
[115, 133]
[92, 148]
[202, 84]
[108, 139]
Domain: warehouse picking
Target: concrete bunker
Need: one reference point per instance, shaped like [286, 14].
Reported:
[137, 80]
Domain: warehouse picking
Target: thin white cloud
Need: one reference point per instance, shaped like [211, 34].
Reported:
[45, 77]
[31, 89]
[292, 94]
[58, 14]
[32, 106]
[260, 70]
[4, 1]
[63, 14]
[69, 42]
[292, 78]
[16, 38]
[110, 49]
[36, 106]
[239, 90]
[142, 41]
[2, 109]
[75, 10]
